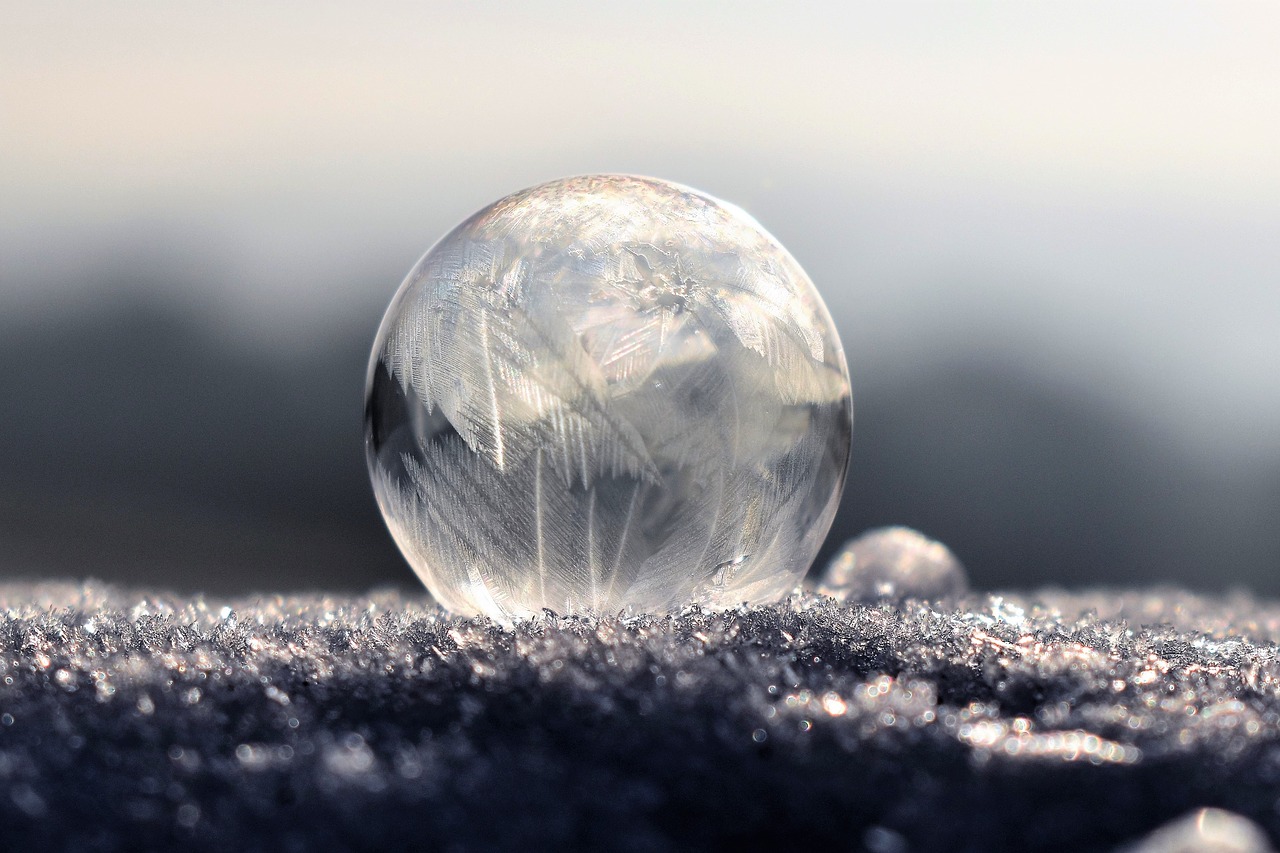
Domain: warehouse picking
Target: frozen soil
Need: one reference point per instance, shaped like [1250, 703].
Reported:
[134, 720]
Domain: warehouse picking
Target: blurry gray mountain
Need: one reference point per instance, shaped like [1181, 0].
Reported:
[140, 445]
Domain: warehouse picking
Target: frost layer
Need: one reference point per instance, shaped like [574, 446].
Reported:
[607, 391]
[1020, 722]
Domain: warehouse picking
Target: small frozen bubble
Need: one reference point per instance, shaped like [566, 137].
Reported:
[893, 562]
[1206, 831]
[607, 392]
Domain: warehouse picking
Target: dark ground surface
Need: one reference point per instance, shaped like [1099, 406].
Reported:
[1051, 721]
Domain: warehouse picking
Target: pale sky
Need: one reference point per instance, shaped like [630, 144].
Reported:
[104, 103]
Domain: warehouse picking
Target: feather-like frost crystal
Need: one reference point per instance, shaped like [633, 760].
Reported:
[607, 392]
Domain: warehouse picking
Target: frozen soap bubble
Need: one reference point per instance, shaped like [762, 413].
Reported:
[896, 563]
[607, 391]
[1205, 831]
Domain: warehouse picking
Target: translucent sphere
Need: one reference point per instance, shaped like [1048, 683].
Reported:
[894, 563]
[607, 391]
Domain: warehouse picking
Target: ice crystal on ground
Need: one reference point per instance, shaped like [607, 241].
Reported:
[1046, 721]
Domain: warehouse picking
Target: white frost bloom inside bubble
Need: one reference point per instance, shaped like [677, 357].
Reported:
[603, 392]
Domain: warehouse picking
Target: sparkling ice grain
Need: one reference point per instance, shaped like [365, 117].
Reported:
[607, 391]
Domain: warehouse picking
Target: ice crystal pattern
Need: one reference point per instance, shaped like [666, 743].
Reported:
[607, 392]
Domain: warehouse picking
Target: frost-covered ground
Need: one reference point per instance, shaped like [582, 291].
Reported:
[1013, 722]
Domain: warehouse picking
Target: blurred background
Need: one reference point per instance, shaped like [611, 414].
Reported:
[1049, 234]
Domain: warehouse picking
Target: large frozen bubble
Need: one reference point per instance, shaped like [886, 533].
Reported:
[607, 391]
